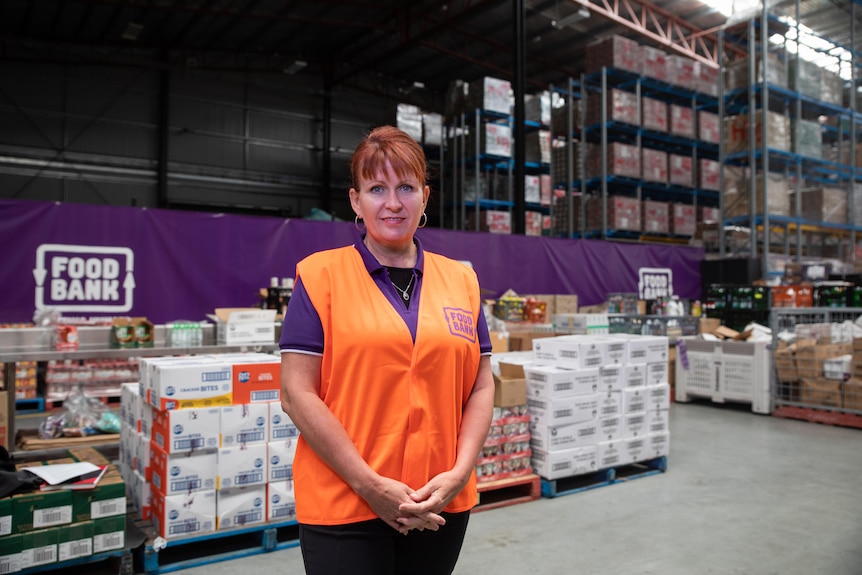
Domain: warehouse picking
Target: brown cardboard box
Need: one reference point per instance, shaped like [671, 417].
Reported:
[851, 393]
[709, 324]
[821, 391]
[565, 304]
[671, 368]
[510, 387]
[785, 365]
[499, 341]
[523, 340]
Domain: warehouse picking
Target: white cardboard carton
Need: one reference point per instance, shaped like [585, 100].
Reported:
[182, 515]
[184, 430]
[244, 424]
[562, 437]
[242, 466]
[564, 463]
[280, 425]
[280, 501]
[245, 325]
[280, 454]
[174, 474]
[241, 507]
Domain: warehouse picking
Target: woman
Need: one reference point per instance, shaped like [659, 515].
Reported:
[386, 373]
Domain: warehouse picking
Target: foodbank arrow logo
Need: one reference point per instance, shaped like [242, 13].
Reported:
[84, 278]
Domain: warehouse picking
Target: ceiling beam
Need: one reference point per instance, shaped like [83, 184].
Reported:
[660, 26]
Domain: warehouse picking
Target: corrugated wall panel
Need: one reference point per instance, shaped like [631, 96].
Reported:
[205, 116]
[30, 130]
[205, 151]
[112, 139]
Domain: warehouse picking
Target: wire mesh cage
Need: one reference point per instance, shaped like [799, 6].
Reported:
[817, 358]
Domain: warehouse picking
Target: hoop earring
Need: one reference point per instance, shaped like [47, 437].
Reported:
[425, 223]
[356, 220]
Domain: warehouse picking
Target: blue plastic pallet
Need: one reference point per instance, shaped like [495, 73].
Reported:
[30, 405]
[601, 478]
[205, 549]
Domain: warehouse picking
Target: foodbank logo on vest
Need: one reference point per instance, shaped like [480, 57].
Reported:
[73, 278]
[461, 323]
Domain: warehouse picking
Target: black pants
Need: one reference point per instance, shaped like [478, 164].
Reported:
[374, 548]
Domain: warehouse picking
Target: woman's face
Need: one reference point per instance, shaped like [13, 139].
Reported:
[390, 206]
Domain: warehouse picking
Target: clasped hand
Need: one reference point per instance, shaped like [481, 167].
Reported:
[404, 509]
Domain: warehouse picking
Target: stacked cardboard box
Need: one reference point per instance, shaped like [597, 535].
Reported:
[708, 174]
[831, 87]
[682, 120]
[533, 223]
[736, 132]
[656, 217]
[494, 139]
[806, 80]
[537, 108]
[708, 127]
[559, 158]
[654, 165]
[622, 160]
[597, 402]
[46, 528]
[737, 197]
[613, 52]
[681, 172]
[624, 213]
[538, 147]
[736, 74]
[706, 78]
[653, 63]
[620, 106]
[682, 72]
[205, 444]
[823, 204]
[808, 138]
[506, 452]
[409, 119]
[493, 221]
[490, 94]
[654, 113]
[684, 220]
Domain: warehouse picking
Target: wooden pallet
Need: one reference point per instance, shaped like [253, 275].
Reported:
[160, 556]
[824, 416]
[509, 491]
[603, 477]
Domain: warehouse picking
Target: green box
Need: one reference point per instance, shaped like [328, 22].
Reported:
[40, 510]
[39, 547]
[109, 534]
[75, 541]
[5, 518]
[10, 553]
[108, 498]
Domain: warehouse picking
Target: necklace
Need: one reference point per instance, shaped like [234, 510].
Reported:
[404, 292]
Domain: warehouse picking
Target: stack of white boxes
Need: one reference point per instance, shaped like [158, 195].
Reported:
[205, 444]
[597, 402]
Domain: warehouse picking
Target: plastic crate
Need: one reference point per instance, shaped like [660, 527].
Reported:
[735, 371]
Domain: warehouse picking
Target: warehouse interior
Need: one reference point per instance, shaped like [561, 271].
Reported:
[187, 154]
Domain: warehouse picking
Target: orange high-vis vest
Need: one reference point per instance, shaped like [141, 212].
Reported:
[401, 403]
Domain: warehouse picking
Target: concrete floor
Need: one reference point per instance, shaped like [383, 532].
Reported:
[743, 494]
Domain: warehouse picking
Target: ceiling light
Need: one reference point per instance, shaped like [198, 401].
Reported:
[132, 31]
[295, 67]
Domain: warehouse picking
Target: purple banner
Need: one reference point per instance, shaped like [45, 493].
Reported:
[87, 260]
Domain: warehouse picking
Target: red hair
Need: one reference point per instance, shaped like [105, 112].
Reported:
[388, 143]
